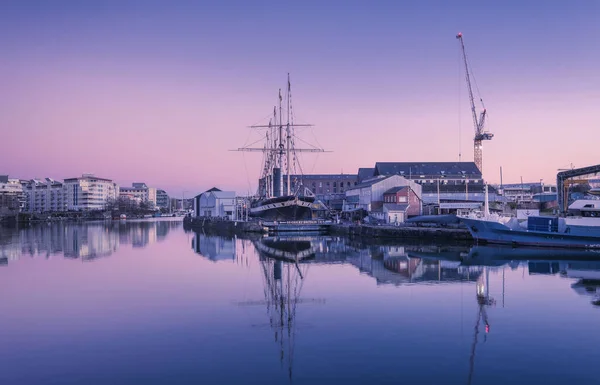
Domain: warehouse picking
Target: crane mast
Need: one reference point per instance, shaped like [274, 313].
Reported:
[478, 122]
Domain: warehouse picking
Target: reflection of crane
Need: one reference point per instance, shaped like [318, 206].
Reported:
[283, 282]
[480, 134]
[483, 300]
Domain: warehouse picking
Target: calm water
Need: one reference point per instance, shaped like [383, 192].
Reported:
[148, 303]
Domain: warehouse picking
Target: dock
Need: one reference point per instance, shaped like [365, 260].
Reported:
[421, 233]
[297, 226]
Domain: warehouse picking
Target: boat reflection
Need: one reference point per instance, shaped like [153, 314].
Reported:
[284, 271]
[288, 248]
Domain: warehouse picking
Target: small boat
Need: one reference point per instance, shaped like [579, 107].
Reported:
[122, 216]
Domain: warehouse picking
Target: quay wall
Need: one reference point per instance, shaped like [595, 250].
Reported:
[402, 232]
[416, 233]
[222, 226]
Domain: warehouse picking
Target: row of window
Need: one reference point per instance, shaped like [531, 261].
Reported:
[394, 199]
[447, 181]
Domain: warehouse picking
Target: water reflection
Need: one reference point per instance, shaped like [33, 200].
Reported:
[303, 309]
[411, 264]
[285, 261]
[85, 240]
[213, 247]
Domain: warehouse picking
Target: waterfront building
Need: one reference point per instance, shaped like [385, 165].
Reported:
[89, 192]
[369, 195]
[440, 181]
[139, 192]
[162, 199]
[215, 203]
[365, 173]
[403, 195]
[47, 195]
[12, 197]
[186, 204]
[400, 203]
[528, 192]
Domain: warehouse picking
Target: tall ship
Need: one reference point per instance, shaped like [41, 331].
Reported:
[280, 198]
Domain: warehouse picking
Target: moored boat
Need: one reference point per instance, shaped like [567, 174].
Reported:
[570, 232]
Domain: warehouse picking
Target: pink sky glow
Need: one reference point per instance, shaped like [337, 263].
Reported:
[164, 105]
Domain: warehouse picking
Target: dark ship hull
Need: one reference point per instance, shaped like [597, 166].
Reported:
[285, 208]
[285, 250]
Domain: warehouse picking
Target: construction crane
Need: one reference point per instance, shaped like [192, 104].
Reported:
[480, 134]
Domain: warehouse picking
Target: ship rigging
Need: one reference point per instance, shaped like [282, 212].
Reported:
[275, 199]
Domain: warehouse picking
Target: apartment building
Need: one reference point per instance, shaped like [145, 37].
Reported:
[139, 192]
[44, 196]
[89, 192]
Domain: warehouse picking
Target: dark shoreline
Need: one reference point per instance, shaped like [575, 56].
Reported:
[381, 233]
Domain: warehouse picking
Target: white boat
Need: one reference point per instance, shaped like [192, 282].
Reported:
[580, 232]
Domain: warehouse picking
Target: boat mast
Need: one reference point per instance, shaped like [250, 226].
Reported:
[276, 148]
[289, 91]
[281, 146]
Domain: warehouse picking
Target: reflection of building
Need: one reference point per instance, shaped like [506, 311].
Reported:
[214, 248]
[89, 192]
[89, 242]
[86, 240]
[398, 269]
[587, 274]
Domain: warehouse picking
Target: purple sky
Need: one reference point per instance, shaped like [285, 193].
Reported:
[156, 92]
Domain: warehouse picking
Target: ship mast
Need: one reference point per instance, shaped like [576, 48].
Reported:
[289, 137]
[281, 148]
[278, 149]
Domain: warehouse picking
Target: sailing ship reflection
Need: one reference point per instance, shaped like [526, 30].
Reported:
[284, 271]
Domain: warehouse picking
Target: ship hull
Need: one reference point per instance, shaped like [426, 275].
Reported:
[497, 233]
[286, 208]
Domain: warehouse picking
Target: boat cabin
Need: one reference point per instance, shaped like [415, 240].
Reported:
[585, 208]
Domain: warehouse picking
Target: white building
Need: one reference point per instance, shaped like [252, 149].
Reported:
[89, 192]
[394, 213]
[44, 196]
[139, 192]
[215, 203]
[368, 195]
[11, 195]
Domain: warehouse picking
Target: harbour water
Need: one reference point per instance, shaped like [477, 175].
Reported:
[146, 302]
